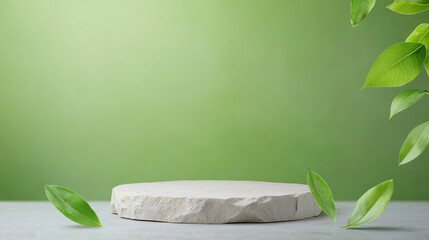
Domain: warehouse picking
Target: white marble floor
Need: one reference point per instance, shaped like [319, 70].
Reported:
[40, 220]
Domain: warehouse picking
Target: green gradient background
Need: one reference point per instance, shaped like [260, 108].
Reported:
[98, 93]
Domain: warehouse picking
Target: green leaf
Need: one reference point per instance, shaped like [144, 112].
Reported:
[321, 193]
[421, 35]
[409, 6]
[415, 143]
[371, 204]
[405, 100]
[397, 65]
[427, 64]
[359, 10]
[73, 206]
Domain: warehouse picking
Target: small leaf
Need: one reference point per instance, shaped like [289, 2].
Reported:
[371, 204]
[397, 65]
[421, 35]
[321, 193]
[415, 143]
[405, 100]
[409, 7]
[73, 206]
[359, 10]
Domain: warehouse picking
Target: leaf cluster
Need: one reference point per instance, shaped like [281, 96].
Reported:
[396, 66]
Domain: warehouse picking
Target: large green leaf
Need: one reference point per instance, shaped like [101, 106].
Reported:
[405, 100]
[421, 35]
[73, 206]
[321, 193]
[415, 143]
[371, 204]
[409, 6]
[397, 65]
[359, 10]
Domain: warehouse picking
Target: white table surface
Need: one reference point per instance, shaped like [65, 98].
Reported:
[40, 220]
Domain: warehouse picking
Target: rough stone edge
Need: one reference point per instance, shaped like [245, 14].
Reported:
[303, 205]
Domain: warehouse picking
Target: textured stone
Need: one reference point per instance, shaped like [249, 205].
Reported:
[214, 201]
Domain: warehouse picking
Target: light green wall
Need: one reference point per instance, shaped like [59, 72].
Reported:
[98, 93]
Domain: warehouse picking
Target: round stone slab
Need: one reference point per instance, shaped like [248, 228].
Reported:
[214, 201]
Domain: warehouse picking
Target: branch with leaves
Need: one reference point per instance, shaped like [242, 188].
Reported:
[396, 66]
